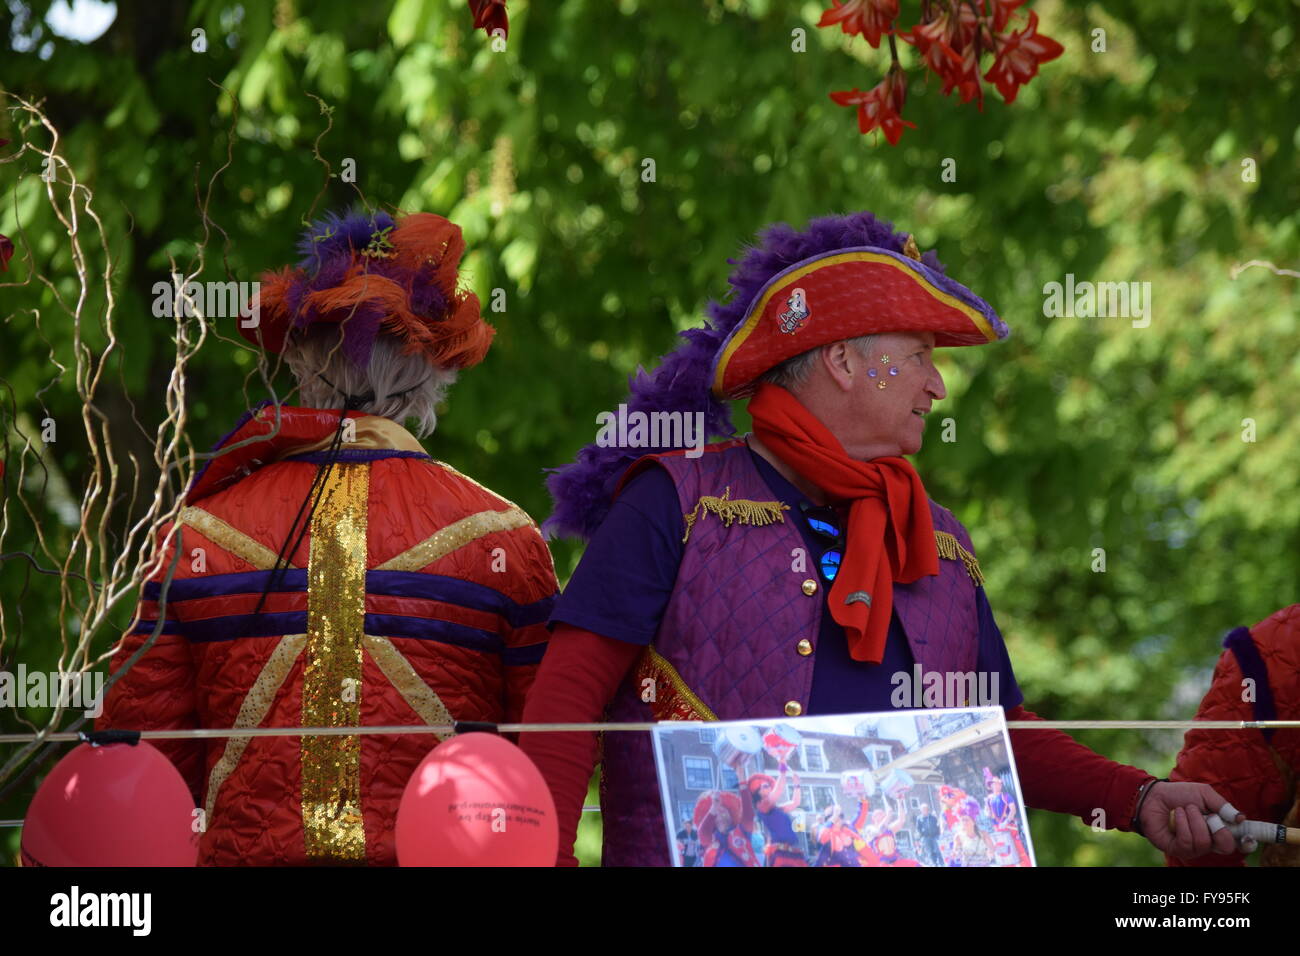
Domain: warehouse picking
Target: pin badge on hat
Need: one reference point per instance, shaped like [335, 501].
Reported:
[796, 315]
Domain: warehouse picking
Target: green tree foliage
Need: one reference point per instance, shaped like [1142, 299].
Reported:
[1166, 159]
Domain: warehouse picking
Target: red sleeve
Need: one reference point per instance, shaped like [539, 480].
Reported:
[860, 822]
[533, 586]
[1060, 774]
[747, 802]
[1236, 763]
[578, 677]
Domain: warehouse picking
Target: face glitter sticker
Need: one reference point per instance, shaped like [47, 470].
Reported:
[796, 314]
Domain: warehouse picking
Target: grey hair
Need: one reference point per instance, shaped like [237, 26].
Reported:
[794, 371]
[390, 372]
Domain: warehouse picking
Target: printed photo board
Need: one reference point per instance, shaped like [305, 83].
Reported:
[903, 788]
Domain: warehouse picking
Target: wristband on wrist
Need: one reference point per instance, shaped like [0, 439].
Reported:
[1136, 823]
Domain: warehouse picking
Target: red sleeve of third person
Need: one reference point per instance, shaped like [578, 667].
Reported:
[575, 683]
[1060, 774]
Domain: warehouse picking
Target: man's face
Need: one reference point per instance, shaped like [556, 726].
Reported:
[890, 417]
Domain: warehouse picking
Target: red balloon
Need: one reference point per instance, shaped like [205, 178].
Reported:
[111, 805]
[476, 800]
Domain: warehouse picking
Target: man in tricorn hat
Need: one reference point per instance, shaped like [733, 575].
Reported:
[343, 576]
[799, 569]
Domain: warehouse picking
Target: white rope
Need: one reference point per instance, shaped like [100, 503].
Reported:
[217, 733]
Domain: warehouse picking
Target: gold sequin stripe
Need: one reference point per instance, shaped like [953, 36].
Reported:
[658, 668]
[333, 827]
[455, 535]
[252, 711]
[950, 548]
[421, 697]
[229, 538]
[735, 509]
[488, 491]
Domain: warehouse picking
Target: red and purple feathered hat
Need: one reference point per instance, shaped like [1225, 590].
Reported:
[370, 273]
[842, 277]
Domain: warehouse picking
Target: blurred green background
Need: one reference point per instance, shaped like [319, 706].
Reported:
[1076, 434]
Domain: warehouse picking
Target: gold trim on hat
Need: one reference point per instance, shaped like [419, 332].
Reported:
[738, 337]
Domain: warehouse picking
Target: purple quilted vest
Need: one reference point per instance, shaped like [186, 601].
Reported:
[731, 630]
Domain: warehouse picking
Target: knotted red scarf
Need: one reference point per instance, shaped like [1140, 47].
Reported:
[890, 535]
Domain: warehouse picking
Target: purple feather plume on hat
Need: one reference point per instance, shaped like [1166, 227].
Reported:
[583, 490]
[326, 252]
[337, 237]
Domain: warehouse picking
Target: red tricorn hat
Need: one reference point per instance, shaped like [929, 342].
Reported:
[844, 294]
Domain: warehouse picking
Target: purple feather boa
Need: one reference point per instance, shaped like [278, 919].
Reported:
[583, 490]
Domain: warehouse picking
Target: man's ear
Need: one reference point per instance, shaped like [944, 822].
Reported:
[839, 359]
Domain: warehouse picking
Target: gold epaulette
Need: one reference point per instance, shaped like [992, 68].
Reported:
[950, 548]
[735, 509]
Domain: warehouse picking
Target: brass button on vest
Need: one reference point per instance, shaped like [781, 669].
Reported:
[804, 647]
[810, 587]
[793, 709]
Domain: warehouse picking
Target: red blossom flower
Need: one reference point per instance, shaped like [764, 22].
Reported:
[967, 25]
[1019, 55]
[870, 18]
[1002, 11]
[879, 107]
[965, 78]
[930, 40]
[947, 46]
[490, 15]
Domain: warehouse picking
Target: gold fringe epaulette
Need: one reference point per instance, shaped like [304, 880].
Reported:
[739, 509]
[950, 548]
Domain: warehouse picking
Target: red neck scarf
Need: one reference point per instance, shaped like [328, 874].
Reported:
[890, 532]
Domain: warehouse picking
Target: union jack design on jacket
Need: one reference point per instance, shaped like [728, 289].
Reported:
[417, 596]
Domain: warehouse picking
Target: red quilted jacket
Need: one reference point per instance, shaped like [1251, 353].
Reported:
[417, 596]
[1254, 770]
